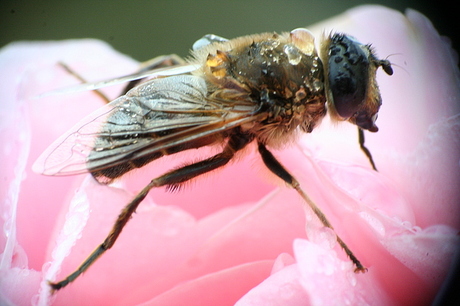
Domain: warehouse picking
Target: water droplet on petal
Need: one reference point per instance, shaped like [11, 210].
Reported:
[324, 237]
[374, 223]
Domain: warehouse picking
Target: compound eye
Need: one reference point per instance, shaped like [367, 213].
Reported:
[348, 74]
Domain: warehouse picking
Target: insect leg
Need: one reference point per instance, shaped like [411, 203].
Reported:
[364, 148]
[274, 165]
[157, 62]
[171, 179]
[81, 79]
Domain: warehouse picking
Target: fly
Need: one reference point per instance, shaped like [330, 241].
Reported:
[263, 88]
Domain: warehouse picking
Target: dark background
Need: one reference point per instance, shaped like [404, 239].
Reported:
[145, 29]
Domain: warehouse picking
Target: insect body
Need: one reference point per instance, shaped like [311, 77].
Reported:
[262, 88]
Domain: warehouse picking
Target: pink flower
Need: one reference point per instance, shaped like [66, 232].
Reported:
[234, 237]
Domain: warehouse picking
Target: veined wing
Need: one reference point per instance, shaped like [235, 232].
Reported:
[152, 117]
[153, 73]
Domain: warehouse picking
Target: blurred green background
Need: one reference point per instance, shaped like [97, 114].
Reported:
[144, 29]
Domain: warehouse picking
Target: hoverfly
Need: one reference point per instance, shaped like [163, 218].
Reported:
[263, 88]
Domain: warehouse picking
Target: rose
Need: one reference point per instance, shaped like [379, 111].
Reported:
[230, 236]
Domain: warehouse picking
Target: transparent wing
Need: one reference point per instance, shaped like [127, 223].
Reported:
[152, 117]
[153, 73]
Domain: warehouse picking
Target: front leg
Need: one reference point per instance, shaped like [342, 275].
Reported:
[365, 149]
[275, 166]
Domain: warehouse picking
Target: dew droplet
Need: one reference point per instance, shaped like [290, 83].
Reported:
[304, 40]
[293, 54]
[317, 85]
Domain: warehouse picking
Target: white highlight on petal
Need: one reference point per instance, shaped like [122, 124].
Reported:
[75, 221]
[375, 223]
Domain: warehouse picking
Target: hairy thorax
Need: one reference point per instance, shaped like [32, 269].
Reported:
[283, 80]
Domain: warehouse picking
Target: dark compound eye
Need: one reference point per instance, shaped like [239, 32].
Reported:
[348, 74]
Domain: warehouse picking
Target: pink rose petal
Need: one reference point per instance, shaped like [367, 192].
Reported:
[281, 288]
[220, 288]
[227, 237]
